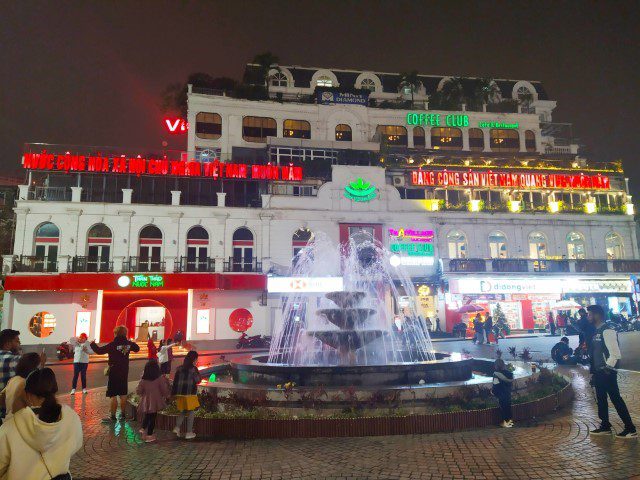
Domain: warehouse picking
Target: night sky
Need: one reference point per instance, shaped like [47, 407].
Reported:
[91, 73]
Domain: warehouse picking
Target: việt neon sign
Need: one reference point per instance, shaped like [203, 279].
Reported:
[360, 191]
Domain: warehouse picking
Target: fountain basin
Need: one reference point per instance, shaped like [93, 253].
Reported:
[347, 318]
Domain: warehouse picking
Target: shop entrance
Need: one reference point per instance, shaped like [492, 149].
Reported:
[146, 318]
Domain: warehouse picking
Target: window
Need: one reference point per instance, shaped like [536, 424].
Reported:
[503, 140]
[524, 96]
[392, 135]
[457, 244]
[300, 240]
[99, 240]
[324, 81]
[497, 245]
[197, 250]
[150, 249]
[614, 247]
[297, 129]
[537, 246]
[242, 250]
[208, 125]
[476, 140]
[368, 84]
[418, 137]
[257, 129]
[575, 246]
[446, 138]
[530, 141]
[278, 79]
[280, 155]
[46, 247]
[343, 133]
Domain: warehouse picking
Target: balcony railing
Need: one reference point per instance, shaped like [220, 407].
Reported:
[185, 264]
[32, 263]
[242, 265]
[540, 266]
[550, 266]
[591, 266]
[90, 264]
[626, 266]
[138, 264]
[50, 194]
[509, 265]
[467, 265]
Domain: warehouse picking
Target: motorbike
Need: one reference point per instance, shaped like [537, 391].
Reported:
[255, 341]
[64, 351]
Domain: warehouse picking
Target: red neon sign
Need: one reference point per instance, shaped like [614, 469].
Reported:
[444, 178]
[159, 166]
[176, 125]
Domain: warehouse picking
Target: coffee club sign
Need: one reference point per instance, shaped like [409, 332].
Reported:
[411, 247]
[452, 120]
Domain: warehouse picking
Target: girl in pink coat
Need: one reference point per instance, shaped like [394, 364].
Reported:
[154, 389]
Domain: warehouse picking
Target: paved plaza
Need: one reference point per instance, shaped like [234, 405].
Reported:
[555, 447]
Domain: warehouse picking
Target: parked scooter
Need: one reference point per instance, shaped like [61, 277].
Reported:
[256, 341]
[64, 351]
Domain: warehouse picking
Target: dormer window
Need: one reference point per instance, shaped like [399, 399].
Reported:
[368, 84]
[324, 81]
[278, 79]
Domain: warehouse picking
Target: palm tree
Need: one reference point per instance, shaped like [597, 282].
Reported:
[266, 61]
[452, 92]
[410, 79]
[485, 91]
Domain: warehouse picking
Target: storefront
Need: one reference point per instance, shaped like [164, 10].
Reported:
[527, 301]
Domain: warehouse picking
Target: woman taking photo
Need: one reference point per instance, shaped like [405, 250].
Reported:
[38, 441]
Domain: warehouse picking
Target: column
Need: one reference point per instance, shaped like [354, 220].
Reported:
[76, 194]
[487, 139]
[222, 196]
[126, 195]
[427, 140]
[523, 145]
[23, 192]
[409, 136]
[465, 139]
[175, 197]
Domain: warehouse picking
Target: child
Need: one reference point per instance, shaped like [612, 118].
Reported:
[502, 380]
[153, 390]
[185, 389]
[165, 355]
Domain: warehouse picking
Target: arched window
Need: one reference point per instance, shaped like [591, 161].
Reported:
[242, 250]
[457, 244]
[530, 141]
[197, 251]
[99, 239]
[368, 84]
[537, 245]
[208, 125]
[257, 129]
[324, 81]
[301, 238]
[445, 138]
[504, 140]
[343, 133]
[392, 135]
[278, 79]
[297, 129]
[476, 140]
[47, 242]
[524, 95]
[150, 250]
[575, 246]
[497, 245]
[418, 137]
[613, 246]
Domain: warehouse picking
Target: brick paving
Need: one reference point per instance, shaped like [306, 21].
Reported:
[557, 447]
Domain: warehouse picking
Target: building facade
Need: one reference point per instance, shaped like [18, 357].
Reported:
[483, 200]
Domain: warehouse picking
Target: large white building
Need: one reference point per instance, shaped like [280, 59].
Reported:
[486, 202]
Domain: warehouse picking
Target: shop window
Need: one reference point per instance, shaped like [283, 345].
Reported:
[257, 129]
[537, 246]
[503, 140]
[99, 240]
[530, 141]
[476, 140]
[368, 84]
[324, 81]
[497, 245]
[42, 324]
[343, 133]
[208, 125]
[278, 79]
[392, 135]
[444, 138]
[614, 247]
[575, 246]
[243, 253]
[197, 250]
[297, 129]
[418, 137]
[47, 241]
[457, 244]
[300, 240]
[150, 249]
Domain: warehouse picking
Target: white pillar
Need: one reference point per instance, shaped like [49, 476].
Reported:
[266, 200]
[126, 195]
[76, 194]
[221, 199]
[487, 139]
[175, 197]
[523, 144]
[23, 192]
[465, 139]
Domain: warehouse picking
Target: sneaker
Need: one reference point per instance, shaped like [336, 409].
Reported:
[510, 422]
[177, 431]
[110, 419]
[84, 391]
[73, 391]
[150, 439]
[601, 431]
[506, 425]
[626, 433]
[190, 435]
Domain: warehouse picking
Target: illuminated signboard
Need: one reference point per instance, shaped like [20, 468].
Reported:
[408, 234]
[444, 178]
[304, 284]
[536, 286]
[176, 125]
[158, 166]
[83, 323]
[501, 125]
[397, 260]
[413, 249]
[141, 281]
[202, 321]
[360, 191]
[437, 120]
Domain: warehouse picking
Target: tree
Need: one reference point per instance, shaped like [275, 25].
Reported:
[174, 96]
[410, 79]
[452, 93]
[484, 91]
[266, 62]
[498, 315]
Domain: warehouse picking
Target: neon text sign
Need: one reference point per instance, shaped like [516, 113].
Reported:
[403, 234]
[437, 120]
[175, 125]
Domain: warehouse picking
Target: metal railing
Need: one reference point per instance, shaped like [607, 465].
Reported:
[185, 264]
[540, 266]
[138, 264]
[32, 263]
[591, 266]
[467, 265]
[626, 266]
[90, 264]
[50, 194]
[242, 265]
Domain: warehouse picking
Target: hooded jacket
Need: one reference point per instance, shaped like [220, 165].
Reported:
[24, 437]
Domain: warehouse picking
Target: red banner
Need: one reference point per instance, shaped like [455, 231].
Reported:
[444, 178]
[158, 166]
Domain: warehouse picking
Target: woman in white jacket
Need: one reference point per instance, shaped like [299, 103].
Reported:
[81, 352]
[38, 441]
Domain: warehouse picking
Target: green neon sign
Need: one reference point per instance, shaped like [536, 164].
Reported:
[413, 249]
[512, 126]
[360, 191]
[146, 281]
[437, 120]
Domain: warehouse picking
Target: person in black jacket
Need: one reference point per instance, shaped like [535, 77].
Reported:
[562, 353]
[502, 380]
[488, 329]
[118, 375]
